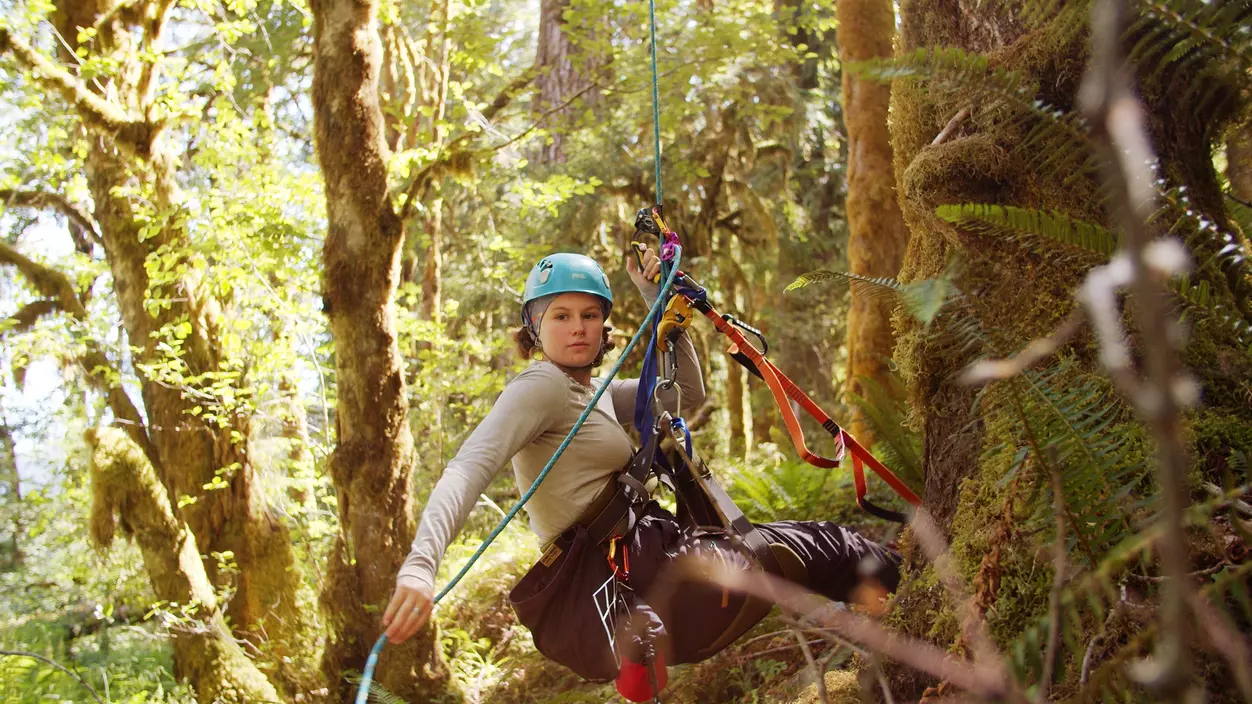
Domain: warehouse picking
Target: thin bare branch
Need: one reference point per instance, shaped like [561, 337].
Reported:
[1058, 585]
[54, 663]
[819, 674]
[986, 680]
[985, 370]
[932, 542]
[950, 128]
[1117, 124]
[1225, 638]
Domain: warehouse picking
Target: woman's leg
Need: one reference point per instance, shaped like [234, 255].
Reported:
[837, 558]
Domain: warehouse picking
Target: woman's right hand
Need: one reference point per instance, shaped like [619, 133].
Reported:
[409, 609]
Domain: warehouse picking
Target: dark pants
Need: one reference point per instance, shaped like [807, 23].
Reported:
[679, 618]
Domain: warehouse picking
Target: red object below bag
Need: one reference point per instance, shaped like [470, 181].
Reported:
[633, 682]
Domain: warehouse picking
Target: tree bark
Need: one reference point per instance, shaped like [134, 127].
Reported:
[1239, 159]
[736, 392]
[11, 557]
[565, 74]
[126, 491]
[432, 276]
[373, 460]
[877, 234]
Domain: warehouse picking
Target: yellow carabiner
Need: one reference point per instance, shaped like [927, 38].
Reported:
[677, 318]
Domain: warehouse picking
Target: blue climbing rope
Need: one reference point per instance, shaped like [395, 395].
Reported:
[367, 674]
[656, 102]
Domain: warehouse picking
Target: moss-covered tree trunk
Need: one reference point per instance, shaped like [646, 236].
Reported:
[373, 460]
[1016, 290]
[877, 234]
[126, 491]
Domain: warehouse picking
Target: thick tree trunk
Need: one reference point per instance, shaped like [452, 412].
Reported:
[432, 276]
[877, 234]
[1016, 292]
[735, 392]
[373, 461]
[126, 491]
[565, 74]
[187, 451]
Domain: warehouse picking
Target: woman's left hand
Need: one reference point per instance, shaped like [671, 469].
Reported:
[644, 278]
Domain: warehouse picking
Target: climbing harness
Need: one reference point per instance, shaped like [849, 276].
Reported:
[371, 662]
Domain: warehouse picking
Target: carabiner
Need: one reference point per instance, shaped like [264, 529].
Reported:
[657, 406]
[677, 318]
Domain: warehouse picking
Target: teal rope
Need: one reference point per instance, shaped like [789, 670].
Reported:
[367, 674]
[656, 103]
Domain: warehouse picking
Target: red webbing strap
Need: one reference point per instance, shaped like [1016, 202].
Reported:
[782, 389]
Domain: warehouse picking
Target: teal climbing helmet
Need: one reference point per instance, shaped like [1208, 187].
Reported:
[567, 272]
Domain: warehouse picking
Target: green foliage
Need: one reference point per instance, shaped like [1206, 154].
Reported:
[1207, 43]
[1075, 424]
[900, 447]
[1106, 599]
[775, 487]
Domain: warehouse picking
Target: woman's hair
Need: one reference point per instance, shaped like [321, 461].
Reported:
[527, 345]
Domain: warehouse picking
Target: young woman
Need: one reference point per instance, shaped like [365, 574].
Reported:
[566, 304]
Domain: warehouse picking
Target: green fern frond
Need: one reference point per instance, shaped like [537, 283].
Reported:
[1052, 225]
[875, 288]
[1069, 414]
[1241, 213]
[884, 411]
[1203, 30]
[380, 695]
[1198, 50]
[1197, 231]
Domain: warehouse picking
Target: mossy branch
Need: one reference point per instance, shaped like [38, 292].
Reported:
[41, 200]
[132, 132]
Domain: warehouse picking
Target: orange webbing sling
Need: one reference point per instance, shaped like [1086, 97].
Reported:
[784, 388]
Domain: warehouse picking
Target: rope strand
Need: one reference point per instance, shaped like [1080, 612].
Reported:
[656, 103]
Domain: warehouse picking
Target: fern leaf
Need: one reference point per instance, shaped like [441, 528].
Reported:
[1052, 225]
[864, 285]
[884, 412]
[1220, 28]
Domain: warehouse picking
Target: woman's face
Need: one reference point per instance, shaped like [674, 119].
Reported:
[571, 330]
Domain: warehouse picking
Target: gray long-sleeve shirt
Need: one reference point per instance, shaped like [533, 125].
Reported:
[533, 414]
